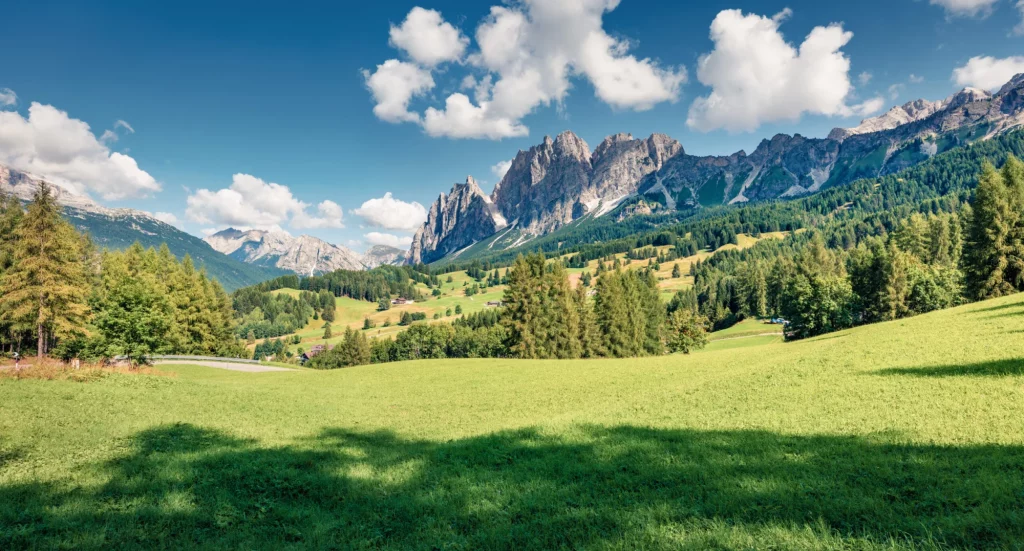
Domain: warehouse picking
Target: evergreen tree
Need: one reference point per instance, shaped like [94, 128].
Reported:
[988, 237]
[676, 271]
[327, 331]
[45, 288]
[587, 332]
[612, 316]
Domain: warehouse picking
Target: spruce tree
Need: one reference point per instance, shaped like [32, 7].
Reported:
[45, 288]
[988, 236]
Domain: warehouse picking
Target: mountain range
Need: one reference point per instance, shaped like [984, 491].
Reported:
[117, 228]
[235, 258]
[304, 255]
[561, 181]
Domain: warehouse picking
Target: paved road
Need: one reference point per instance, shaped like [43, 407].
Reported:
[247, 368]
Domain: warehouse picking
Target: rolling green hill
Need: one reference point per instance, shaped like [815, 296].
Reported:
[903, 435]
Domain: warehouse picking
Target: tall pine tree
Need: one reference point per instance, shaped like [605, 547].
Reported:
[45, 288]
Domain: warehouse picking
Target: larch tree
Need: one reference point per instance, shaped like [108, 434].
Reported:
[45, 288]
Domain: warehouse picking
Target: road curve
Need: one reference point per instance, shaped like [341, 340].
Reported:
[247, 368]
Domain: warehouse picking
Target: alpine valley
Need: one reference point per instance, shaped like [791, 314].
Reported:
[561, 183]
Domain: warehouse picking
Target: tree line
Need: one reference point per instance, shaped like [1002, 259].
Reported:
[543, 317]
[59, 295]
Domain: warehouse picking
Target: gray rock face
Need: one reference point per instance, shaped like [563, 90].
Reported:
[304, 255]
[540, 192]
[382, 255]
[559, 181]
[455, 221]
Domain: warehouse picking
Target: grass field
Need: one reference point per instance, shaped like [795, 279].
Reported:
[905, 435]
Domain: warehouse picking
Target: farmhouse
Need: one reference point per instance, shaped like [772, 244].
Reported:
[495, 304]
[312, 352]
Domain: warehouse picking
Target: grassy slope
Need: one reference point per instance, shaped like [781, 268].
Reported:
[351, 313]
[899, 435]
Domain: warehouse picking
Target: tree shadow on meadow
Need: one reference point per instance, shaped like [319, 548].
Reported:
[186, 487]
[998, 368]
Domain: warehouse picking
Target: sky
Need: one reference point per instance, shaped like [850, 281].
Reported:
[346, 120]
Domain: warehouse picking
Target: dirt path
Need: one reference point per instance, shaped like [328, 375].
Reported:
[750, 337]
[247, 368]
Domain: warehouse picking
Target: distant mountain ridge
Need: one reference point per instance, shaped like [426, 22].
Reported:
[304, 255]
[561, 181]
[119, 228]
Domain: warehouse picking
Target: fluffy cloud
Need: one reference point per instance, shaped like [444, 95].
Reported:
[869, 107]
[64, 150]
[387, 239]
[757, 77]
[166, 218]
[329, 215]
[253, 203]
[526, 53]
[865, 77]
[916, 79]
[8, 97]
[988, 73]
[428, 38]
[393, 86]
[965, 7]
[390, 213]
[500, 169]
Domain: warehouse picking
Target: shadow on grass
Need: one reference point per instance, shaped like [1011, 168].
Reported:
[628, 487]
[1010, 306]
[1001, 368]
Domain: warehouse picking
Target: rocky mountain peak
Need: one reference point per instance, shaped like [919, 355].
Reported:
[455, 221]
[1016, 83]
[965, 96]
[304, 255]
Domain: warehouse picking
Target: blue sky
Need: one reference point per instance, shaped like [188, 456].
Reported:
[281, 92]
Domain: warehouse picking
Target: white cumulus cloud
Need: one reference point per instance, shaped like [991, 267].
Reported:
[428, 38]
[393, 85]
[968, 8]
[526, 54]
[865, 77]
[988, 73]
[869, 107]
[328, 215]
[251, 202]
[757, 77]
[52, 145]
[8, 97]
[166, 218]
[500, 169]
[392, 214]
[387, 239]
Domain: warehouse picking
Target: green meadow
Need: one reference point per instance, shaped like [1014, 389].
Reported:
[903, 435]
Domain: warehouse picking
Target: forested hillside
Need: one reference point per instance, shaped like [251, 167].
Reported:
[121, 233]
